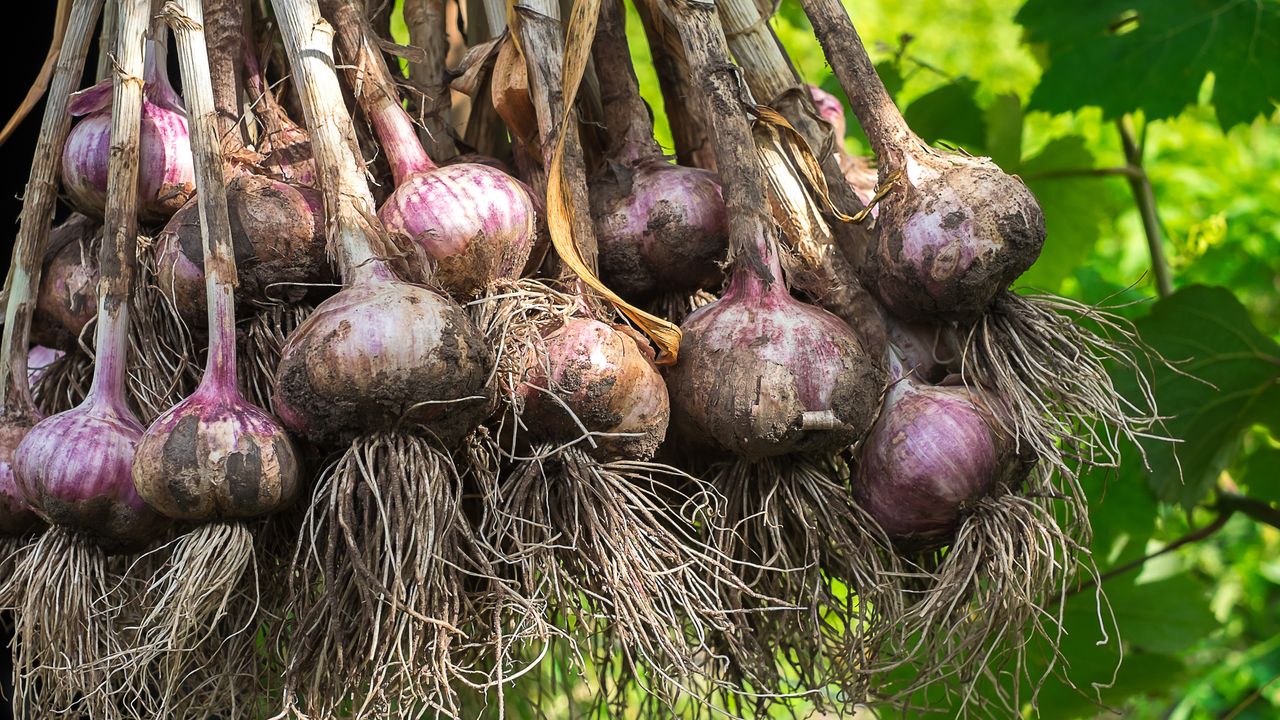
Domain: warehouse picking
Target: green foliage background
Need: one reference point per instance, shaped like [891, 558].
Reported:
[1039, 85]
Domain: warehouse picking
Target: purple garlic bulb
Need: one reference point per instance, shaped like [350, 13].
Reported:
[932, 450]
[762, 374]
[605, 375]
[166, 176]
[661, 227]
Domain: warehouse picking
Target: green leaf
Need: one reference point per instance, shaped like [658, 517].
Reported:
[1261, 474]
[1122, 511]
[890, 73]
[1075, 209]
[1004, 130]
[1229, 380]
[1147, 614]
[950, 113]
[1140, 673]
[793, 13]
[1154, 55]
[1096, 671]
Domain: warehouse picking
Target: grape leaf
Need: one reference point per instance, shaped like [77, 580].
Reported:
[1004, 130]
[1165, 616]
[1140, 673]
[1261, 474]
[1122, 511]
[1097, 673]
[890, 73]
[1154, 55]
[950, 113]
[1074, 210]
[1229, 380]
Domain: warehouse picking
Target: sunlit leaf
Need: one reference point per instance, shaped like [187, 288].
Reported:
[1154, 55]
[1004, 130]
[1074, 207]
[950, 113]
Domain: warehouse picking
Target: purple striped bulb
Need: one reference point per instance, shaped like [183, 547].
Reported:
[954, 231]
[605, 375]
[474, 220]
[166, 176]
[75, 469]
[661, 227]
[277, 230]
[16, 516]
[39, 359]
[830, 109]
[380, 355]
[762, 374]
[933, 449]
[214, 456]
[68, 297]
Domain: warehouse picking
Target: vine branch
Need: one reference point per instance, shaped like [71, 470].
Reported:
[1123, 170]
[1228, 504]
[1145, 197]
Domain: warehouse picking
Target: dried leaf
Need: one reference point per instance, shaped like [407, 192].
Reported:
[771, 121]
[582, 29]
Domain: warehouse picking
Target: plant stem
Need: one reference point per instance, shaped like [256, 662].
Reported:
[37, 210]
[485, 132]
[377, 13]
[117, 257]
[626, 117]
[495, 13]
[273, 117]
[751, 243]
[872, 105]
[688, 129]
[355, 235]
[1145, 196]
[426, 22]
[541, 35]
[106, 41]
[1257, 510]
[829, 250]
[369, 77]
[186, 19]
[224, 27]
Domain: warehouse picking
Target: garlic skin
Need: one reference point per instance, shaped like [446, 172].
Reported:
[382, 355]
[213, 457]
[605, 375]
[166, 172]
[762, 374]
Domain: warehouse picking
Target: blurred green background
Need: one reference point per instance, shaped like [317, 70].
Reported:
[1188, 542]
